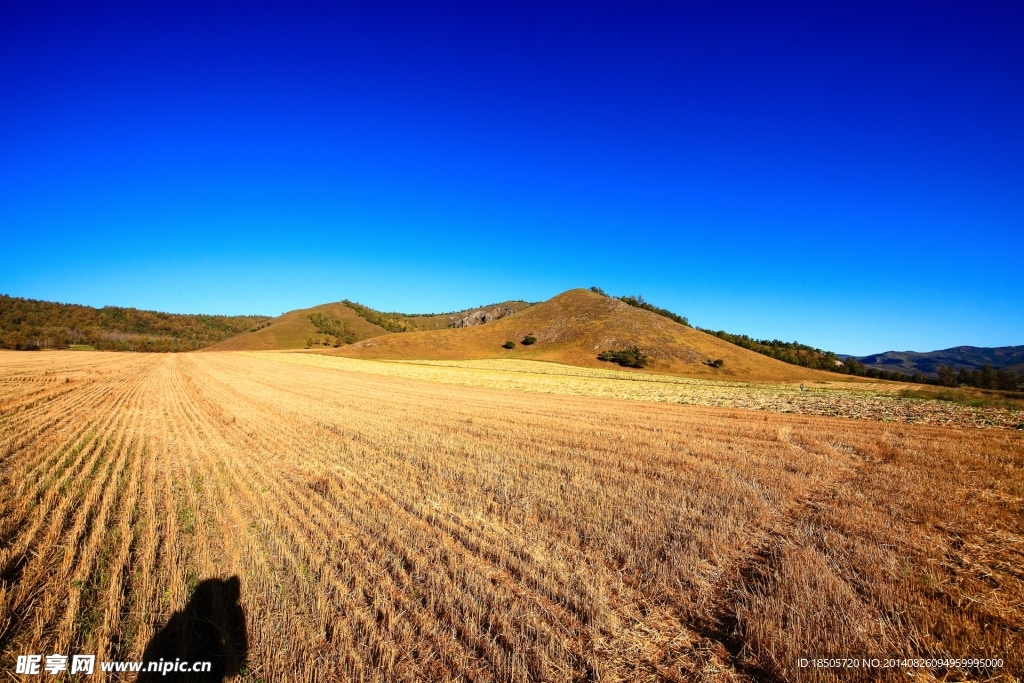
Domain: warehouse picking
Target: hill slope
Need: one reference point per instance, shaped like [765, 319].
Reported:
[291, 330]
[469, 317]
[573, 328]
[32, 324]
[294, 328]
[928, 364]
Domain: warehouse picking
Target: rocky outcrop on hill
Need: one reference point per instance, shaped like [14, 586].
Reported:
[483, 316]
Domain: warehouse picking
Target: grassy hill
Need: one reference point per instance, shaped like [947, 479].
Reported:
[573, 328]
[28, 324]
[1017, 368]
[446, 320]
[294, 328]
[579, 327]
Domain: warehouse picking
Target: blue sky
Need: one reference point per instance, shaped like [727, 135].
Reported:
[850, 175]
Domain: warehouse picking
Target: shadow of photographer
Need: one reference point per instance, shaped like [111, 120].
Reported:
[211, 628]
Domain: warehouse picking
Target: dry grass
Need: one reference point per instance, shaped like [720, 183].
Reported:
[837, 399]
[442, 321]
[574, 327]
[387, 528]
[291, 330]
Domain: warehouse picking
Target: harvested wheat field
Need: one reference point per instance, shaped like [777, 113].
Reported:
[387, 528]
[838, 399]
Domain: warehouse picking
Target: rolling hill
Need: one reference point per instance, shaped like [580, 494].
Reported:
[294, 328]
[928, 364]
[573, 328]
[29, 324]
[468, 318]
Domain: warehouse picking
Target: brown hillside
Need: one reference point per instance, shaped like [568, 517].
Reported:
[445, 320]
[291, 330]
[573, 328]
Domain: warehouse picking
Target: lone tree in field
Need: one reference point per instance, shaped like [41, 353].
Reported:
[509, 345]
[528, 340]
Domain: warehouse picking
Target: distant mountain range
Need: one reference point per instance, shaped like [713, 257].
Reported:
[970, 357]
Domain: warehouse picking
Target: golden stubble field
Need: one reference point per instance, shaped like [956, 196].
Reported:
[385, 528]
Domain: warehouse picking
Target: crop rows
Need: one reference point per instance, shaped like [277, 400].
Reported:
[387, 528]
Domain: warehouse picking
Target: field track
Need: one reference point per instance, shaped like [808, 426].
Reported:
[386, 528]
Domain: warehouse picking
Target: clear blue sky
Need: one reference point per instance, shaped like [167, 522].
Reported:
[850, 175]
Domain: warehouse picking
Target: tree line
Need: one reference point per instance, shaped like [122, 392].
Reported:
[806, 356]
[29, 324]
[810, 357]
[392, 322]
[984, 378]
[793, 353]
[638, 301]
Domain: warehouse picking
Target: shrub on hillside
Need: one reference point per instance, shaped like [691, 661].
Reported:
[639, 302]
[509, 345]
[632, 357]
[341, 330]
[392, 322]
[717, 363]
[528, 339]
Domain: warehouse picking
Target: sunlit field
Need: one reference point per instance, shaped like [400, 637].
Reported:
[879, 401]
[483, 522]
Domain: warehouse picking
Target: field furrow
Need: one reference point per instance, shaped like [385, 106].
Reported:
[389, 527]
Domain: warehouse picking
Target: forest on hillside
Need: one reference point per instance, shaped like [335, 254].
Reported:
[806, 356]
[28, 324]
[810, 357]
[392, 322]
